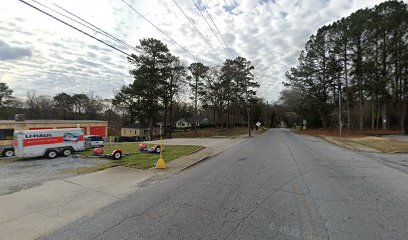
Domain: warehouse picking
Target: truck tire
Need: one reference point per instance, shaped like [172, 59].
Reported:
[51, 154]
[8, 153]
[66, 152]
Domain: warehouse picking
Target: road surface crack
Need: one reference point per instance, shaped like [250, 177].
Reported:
[167, 198]
[314, 235]
[257, 206]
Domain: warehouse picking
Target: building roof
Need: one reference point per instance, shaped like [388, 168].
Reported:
[189, 120]
[42, 121]
[137, 125]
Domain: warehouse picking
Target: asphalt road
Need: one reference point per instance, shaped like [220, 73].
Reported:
[278, 185]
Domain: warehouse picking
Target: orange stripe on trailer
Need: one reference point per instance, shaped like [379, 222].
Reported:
[42, 141]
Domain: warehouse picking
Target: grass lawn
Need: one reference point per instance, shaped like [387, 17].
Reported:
[137, 159]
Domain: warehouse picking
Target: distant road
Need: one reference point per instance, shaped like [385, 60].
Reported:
[276, 186]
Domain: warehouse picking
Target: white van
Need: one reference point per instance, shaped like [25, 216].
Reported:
[94, 141]
[49, 143]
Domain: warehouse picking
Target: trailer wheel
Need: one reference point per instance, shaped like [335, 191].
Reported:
[8, 153]
[51, 154]
[116, 155]
[66, 152]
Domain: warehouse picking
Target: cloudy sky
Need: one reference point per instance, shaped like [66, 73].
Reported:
[39, 54]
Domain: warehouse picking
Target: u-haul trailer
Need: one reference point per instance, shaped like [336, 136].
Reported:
[49, 143]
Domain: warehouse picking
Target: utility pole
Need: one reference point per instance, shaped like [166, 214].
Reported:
[195, 105]
[267, 114]
[339, 96]
[248, 109]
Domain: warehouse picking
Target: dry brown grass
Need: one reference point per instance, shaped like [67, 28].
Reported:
[346, 133]
[360, 141]
[212, 132]
[383, 144]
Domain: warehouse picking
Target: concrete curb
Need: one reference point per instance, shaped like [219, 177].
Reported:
[399, 152]
[335, 142]
[195, 163]
[193, 152]
[201, 160]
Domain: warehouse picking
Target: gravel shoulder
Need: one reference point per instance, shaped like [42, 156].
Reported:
[23, 174]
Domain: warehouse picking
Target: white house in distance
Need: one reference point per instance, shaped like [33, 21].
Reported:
[188, 123]
[184, 123]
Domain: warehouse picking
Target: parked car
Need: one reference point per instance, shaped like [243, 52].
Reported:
[94, 141]
[6, 151]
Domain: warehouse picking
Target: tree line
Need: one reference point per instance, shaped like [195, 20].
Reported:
[225, 95]
[356, 67]
[60, 106]
[66, 106]
[227, 91]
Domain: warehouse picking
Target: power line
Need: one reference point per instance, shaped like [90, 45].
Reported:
[99, 29]
[192, 23]
[212, 30]
[215, 25]
[138, 13]
[79, 30]
[93, 27]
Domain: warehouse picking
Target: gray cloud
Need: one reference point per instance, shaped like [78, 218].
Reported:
[105, 59]
[8, 52]
[81, 60]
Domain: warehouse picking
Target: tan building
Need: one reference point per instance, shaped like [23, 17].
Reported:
[138, 129]
[90, 127]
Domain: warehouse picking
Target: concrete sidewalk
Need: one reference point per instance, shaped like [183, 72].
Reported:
[38, 211]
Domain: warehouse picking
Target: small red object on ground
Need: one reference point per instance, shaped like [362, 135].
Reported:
[98, 151]
[142, 146]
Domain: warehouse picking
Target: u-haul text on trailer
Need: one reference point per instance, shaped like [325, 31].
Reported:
[49, 143]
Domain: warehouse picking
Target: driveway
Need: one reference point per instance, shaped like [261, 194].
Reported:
[23, 174]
